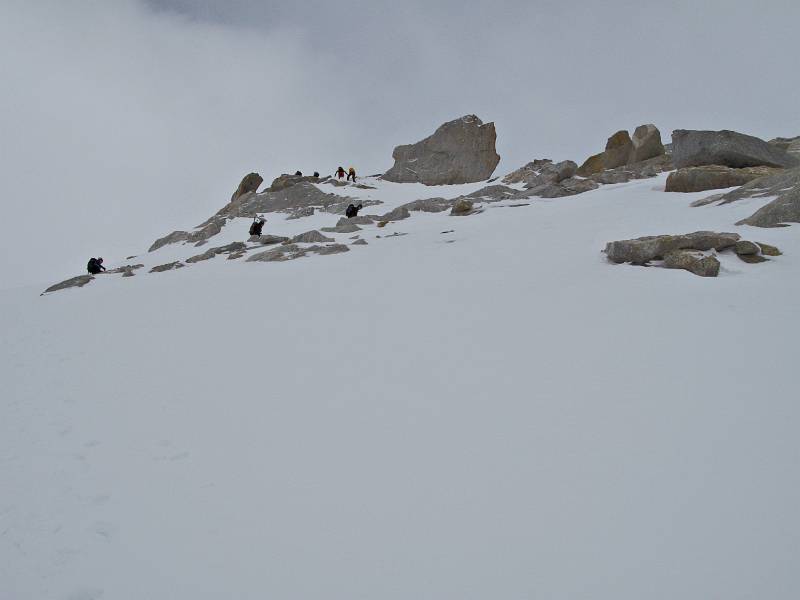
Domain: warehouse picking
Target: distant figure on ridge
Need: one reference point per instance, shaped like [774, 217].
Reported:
[316, 174]
[298, 174]
[352, 211]
[340, 172]
[257, 225]
[351, 172]
[95, 266]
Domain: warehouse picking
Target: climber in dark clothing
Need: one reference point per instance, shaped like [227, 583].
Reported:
[298, 173]
[95, 266]
[352, 211]
[256, 226]
[340, 172]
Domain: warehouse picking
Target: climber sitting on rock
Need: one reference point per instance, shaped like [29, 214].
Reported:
[352, 211]
[95, 266]
[257, 225]
[351, 172]
[340, 172]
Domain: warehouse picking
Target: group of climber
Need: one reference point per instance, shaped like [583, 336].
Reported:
[340, 174]
[351, 174]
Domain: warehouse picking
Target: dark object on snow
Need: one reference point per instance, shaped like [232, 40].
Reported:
[256, 226]
[298, 174]
[352, 211]
[340, 172]
[316, 173]
[95, 266]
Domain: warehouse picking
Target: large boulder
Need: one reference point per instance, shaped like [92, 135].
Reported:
[641, 250]
[461, 151]
[728, 148]
[593, 164]
[461, 208]
[646, 143]
[618, 150]
[713, 177]
[287, 181]
[249, 183]
[310, 237]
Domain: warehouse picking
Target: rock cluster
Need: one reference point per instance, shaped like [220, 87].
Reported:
[713, 177]
[460, 151]
[622, 150]
[642, 250]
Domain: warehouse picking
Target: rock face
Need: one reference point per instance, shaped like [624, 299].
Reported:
[790, 145]
[713, 177]
[694, 262]
[646, 143]
[249, 183]
[642, 250]
[745, 247]
[728, 148]
[287, 181]
[785, 208]
[641, 170]
[461, 151]
[212, 252]
[398, 214]
[618, 150]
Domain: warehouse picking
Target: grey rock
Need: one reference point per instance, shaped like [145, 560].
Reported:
[269, 240]
[167, 267]
[79, 281]
[745, 247]
[125, 269]
[790, 145]
[460, 151]
[567, 187]
[431, 205]
[694, 262]
[310, 237]
[249, 184]
[329, 249]
[212, 252]
[357, 220]
[644, 249]
[713, 177]
[783, 210]
[308, 211]
[461, 208]
[532, 169]
[398, 214]
[768, 250]
[777, 184]
[618, 150]
[728, 148]
[640, 170]
[279, 254]
[646, 142]
[752, 258]
[344, 228]
[360, 243]
[492, 193]
[172, 238]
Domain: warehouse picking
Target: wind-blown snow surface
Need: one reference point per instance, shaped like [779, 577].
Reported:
[503, 416]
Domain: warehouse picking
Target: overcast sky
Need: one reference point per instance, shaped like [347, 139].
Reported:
[122, 120]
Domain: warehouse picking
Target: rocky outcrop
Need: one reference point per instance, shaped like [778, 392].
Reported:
[541, 172]
[343, 228]
[646, 143]
[167, 267]
[493, 193]
[357, 220]
[79, 281]
[360, 243]
[618, 150]
[642, 250]
[300, 213]
[728, 148]
[641, 170]
[212, 252]
[249, 184]
[431, 205]
[713, 177]
[783, 210]
[268, 239]
[287, 181]
[694, 262]
[398, 214]
[279, 254]
[198, 237]
[460, 151]
[124, 270]
[310, 237]
[790, 145]
[566, 187]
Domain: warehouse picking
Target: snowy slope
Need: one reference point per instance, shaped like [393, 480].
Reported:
[495, 412]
